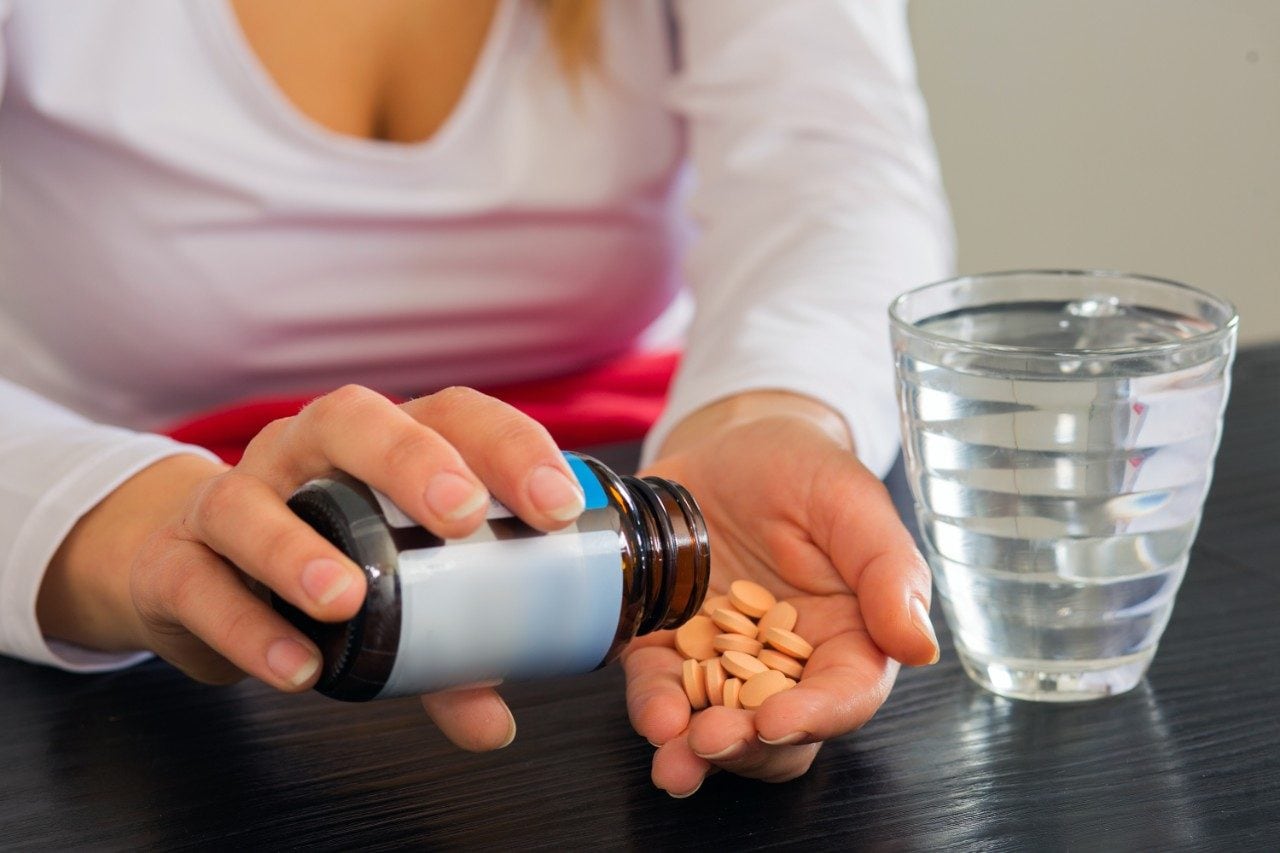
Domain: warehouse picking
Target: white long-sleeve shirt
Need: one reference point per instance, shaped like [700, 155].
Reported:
[175, 234]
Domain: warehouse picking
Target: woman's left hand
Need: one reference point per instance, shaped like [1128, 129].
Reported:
[790, 507]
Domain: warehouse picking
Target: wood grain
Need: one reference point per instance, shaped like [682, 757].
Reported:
[1190, 760]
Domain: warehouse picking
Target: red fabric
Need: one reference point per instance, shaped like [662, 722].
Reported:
[617, 401]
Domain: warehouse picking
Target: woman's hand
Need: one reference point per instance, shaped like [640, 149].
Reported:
[790, 507]
[169, 561]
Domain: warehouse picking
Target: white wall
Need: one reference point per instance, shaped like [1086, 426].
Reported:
[1129, 134]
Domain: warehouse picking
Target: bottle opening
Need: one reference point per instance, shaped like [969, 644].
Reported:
[679, 564]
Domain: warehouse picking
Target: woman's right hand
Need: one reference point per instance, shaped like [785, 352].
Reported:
[169, 561]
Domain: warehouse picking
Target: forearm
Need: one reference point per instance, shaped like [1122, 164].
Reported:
[705, 423]
[84, 597]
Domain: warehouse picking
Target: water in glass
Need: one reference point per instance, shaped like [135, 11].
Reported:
[1058, 496]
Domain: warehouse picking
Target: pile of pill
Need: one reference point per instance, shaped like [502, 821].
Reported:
[740, 649]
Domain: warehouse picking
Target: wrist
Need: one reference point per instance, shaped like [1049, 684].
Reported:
[749, 406]
[84, 596]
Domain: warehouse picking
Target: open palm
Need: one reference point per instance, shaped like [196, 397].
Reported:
[790, 509]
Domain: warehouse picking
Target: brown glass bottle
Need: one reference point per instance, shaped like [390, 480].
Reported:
[507, 602]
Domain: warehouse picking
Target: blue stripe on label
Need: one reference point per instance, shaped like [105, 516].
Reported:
[592, 491]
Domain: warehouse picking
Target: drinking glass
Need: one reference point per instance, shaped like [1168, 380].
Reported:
[1059, 429]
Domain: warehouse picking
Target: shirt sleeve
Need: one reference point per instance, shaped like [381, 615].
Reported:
[54, 467]
[817, 197]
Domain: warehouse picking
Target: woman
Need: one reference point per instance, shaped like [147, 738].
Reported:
[206, 201]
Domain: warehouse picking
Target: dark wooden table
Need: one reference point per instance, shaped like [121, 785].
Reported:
[1191, 759]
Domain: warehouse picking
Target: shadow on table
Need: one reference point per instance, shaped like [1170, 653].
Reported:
[147, 758]
[1042, 763]
[970, 771]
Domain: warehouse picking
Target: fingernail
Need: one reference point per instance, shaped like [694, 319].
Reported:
[731, 751]
[324, 580]
[553, 493]
[452, 496]
[293, 662]
[920, 616]
[676, 796]
[787, 740]
[511, 732]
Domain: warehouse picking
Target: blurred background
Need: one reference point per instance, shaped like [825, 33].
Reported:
[1141, 135]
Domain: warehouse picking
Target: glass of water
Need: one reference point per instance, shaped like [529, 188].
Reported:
[1059, 429]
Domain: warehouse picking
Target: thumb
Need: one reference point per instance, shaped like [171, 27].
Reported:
[894, 592]
[861, 533]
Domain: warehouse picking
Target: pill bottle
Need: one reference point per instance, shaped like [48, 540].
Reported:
[507, 602]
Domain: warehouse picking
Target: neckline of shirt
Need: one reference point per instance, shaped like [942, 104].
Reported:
[247, 74]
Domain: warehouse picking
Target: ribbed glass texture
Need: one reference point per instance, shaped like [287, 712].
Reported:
[1059, 429]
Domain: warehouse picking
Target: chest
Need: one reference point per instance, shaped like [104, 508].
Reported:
[378, 69]
[153, 168]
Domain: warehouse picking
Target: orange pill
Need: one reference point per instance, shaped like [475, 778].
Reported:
[751, 598]
[733, 622]
[742, 665]
[788, 643]
[784, 664]
[736, 643]
[732, 687]
[716, 602]
[715, 678]
[760, 687]
[693, 638]
[781, 615]
[695, 684]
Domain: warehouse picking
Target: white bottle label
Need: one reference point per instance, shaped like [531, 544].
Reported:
[479, 608]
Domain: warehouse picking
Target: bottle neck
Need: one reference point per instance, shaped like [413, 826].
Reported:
[674, 558]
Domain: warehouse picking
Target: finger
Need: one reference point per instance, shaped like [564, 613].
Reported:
[243, 519]
[656, 701]
[364, 434]
[845, 681]
[878, 560]
[513, 454]
[191, 586]
[727, 738]
[894, 592]
[474, 718]
[718, 734]
[677, 770]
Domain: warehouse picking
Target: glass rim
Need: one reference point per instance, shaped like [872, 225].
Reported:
[1229, 326]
